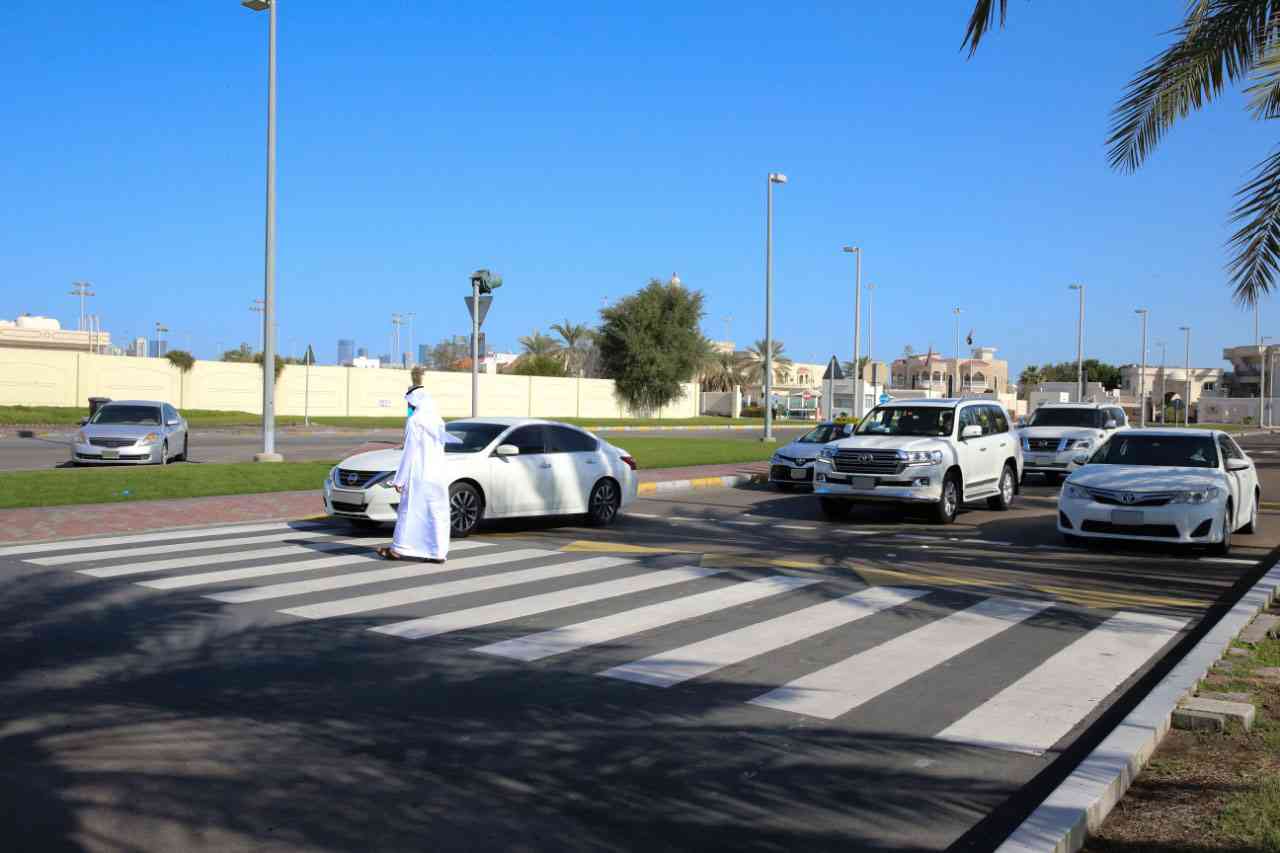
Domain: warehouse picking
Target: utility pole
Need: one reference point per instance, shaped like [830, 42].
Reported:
[1080, 345]
[956, 388]
[81, 289]
[257, 308]
[1142, 374]
[774, 178]
[1186, 403]
[1164, 353]
[871, 359]
[413, 353]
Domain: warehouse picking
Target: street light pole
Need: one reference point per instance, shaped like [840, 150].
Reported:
[1142, 375]
[1263, 391]
[774, 178]
[1262, 361]
[871, 359]
[856, 251]
[268, 453]
[1186, 403]
[956, 388]
[81, 289]
[1080, 346]
[1164, 353]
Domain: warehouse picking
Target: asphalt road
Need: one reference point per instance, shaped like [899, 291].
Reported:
[50, 450]
[721, 670]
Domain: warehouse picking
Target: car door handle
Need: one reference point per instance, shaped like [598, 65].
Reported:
[545, 465]
[591, 461]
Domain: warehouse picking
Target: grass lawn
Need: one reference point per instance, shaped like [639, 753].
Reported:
[64, 416]
[62, 486]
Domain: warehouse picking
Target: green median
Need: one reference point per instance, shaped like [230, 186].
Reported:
[65, 486]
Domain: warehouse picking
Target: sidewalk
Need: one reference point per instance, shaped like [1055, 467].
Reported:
[61, 522]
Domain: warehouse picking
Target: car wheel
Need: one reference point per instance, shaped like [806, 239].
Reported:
[1223, 548]
[1054, 479]
[1252, 526]
[948, 507]
[835, 510]
[602, 506]
[164, 453]
[186, 446]
[1004, 500]
[466, 508]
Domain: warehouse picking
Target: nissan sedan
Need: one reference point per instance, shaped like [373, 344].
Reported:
[131, 432]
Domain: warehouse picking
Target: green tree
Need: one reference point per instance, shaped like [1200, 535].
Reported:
[538, 365]
[1030, 375]
[243, 354]
[450, 354]
[181, 359]
[850, 373]
[650, 343]
[577, 339]
[279, 362]
[1219, 43]
[722, 373]
[539, 344]
[753, 364]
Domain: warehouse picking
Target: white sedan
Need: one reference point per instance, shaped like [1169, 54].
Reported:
[1194, 487]
[500, 468]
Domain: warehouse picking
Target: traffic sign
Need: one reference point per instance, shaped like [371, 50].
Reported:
[833, 370]
[485, 302]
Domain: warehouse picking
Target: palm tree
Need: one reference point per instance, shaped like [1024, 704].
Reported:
[754, 361]
[1220, 42]
[722, 372]
[539, 344]
[847, 366]
[576, 337]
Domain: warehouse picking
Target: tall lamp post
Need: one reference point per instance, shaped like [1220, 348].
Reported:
[1079, 345]
[1264, 392]
[956, 388]
[268, 453]
[871, 359]
[81, 289]
[1164, 354]
[1186, 402]
[774, 178]
[856, 251]
[1142, 374]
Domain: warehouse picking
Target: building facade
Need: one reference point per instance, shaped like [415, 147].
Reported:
[158, 348]
[980, 373]
[346, 350]
[33, 332]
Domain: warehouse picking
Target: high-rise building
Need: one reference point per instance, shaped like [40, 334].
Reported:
[362, 352]
[158, 348]
[424, 354]
[139, 348]
[346, 350]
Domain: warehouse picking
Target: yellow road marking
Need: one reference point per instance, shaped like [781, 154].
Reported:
[587, 545]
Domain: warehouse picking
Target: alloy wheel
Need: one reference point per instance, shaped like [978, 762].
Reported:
[604, 502]
[464, 511]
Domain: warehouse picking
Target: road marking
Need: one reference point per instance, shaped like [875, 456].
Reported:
[680, 518]
[1039, 709]
[411, 570]
[794, 527]
[417, 594]
[108, 541]
[630, 514]
[697, 659]
[214, 559]
[596, 631]
[505, 611]
[1228, 561]
[180, 548]
[843, 686]
[746, 523]
[593, 546]
[260, 571]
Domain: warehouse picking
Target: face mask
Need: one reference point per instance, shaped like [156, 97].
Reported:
[411, 410]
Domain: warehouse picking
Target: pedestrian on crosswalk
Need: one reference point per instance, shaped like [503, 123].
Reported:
[422, 521]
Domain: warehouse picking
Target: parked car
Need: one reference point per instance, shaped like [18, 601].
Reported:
[792, 464]
[131, 432]
[500, 468]
[1057, 432]
[1193, 487]
[937, 453]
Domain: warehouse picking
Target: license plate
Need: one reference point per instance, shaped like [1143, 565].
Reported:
[347, 497]
[799, 473]
[111, 454]
[862, 482]
[1040, 460]
[1126, 516]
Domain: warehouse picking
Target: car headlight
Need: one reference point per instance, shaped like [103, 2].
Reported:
[1074, 492]
[81, 438]
[1197, 496]
[333, 475]
[775, 460]
[1080, 444]
[924, 457]
[149, 438]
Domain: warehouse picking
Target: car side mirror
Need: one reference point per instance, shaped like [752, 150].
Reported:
[507, 450]
[84, 421]
[1080, 459]
[971, 431]
[174, 423]
[1237, 464]
[1110, 425]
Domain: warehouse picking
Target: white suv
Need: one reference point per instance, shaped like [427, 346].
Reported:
[1058, 432]
[940, 453]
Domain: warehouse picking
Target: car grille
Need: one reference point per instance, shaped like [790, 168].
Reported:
[1135, 499]
[1167, 531]
[783, 473]
[1043, 445]
[355, 479]
[868, 462]
[113, 442]
[343, 506]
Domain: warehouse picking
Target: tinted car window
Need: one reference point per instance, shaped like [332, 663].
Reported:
[999, 423]
[1163, 451]
[1228, 448]
[170, 413]
[824, 433]
[529, 439]
[1116, 415]
[128, 415]
[969, 417]
[1051, 417]
[473, 436]
[907, 420]
[564, 440]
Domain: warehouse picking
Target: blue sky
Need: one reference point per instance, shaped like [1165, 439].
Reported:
[579, 152]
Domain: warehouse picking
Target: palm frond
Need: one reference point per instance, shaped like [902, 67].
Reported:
[1257, 242]
[1219, 43]
[1264, 92]
[982, 20]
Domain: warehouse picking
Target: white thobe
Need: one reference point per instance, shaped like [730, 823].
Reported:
[422, 521]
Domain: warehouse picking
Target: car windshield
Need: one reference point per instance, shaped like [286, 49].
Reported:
[128, 416]
[1049, 417]
[908, 420]
[473, 436]
[823, 433]
[1173, 451]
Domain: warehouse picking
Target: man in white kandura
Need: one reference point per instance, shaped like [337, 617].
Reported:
[422, 522]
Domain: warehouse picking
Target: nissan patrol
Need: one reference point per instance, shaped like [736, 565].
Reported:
[1057, 432]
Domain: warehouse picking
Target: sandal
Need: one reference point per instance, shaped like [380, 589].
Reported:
[386, 553]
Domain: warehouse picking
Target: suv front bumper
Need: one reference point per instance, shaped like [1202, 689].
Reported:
[915, 485]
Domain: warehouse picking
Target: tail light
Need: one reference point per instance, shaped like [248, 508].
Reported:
[631, 462]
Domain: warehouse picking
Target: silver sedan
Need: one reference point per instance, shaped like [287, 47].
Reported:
[131, 432]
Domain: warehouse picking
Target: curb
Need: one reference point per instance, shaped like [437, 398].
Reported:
[706, 428]
[726, 482]
[1079, 805]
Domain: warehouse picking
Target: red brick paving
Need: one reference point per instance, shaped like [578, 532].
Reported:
[63, 522]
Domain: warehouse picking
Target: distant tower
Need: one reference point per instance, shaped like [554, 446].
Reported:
[346, 351]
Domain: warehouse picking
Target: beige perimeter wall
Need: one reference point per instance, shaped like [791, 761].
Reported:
[30, 377]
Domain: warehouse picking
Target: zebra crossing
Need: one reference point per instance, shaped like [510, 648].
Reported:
[673, 620]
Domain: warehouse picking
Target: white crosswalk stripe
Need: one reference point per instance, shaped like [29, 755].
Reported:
[686, 662]
[476, 617]
[153, 566]
[571, 637]
[181, 547]
[843, 686]
[166, 536]
[1037, 710]
[398, 571]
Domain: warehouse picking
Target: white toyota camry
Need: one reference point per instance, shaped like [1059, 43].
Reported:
[1194, 487]
[500, 468]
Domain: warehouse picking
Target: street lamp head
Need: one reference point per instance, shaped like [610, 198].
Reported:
[1075, 287]
[1184, 328]
[853, 250]
[777, 178]
[1142, 311]
[256, 5]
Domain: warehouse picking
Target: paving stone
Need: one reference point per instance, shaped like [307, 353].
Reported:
[1224, 697]
[1240, 653]
[1196, 721]
[1259, 629]
[1241, 713]
[1267, 673]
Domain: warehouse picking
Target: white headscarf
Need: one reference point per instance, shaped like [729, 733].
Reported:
[426, 416]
